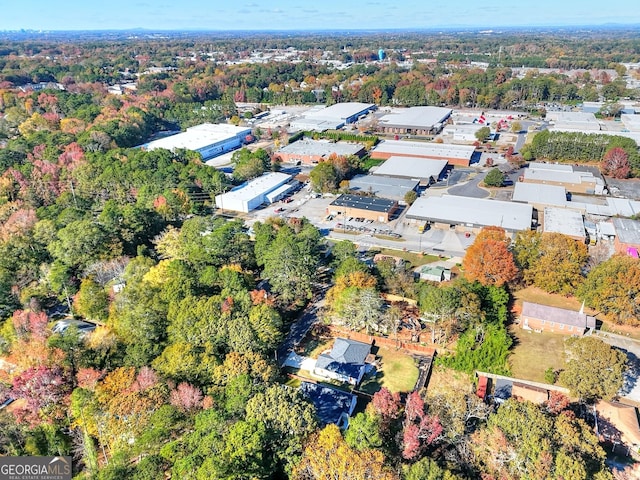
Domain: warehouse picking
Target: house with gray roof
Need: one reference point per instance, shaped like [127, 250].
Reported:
[546, 318]
[332, 405]
[345, 362]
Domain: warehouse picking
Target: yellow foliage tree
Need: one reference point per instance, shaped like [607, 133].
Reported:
[327, 455]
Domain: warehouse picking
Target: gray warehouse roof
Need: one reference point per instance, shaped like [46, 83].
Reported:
[325, 148]
[627, 230]
[416, 117]
[540, 194]
[563, 220]
[411, 167]
[364, 203]
[423, 149]
[472, 212]
[558, 315]
[381, 186]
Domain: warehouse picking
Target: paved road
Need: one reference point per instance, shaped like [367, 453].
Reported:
[631, 388]
[470, 189]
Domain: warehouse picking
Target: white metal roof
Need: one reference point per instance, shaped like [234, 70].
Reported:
[538, 175]
[539, 194]
[341, 111]
[627, 230]
[258, 186]
[556, 167]
[307, 146]
[563, 220]
[416, 117]
[472, 211]
[411, 167]
[632, 122]
[423, 149]
[198, 137]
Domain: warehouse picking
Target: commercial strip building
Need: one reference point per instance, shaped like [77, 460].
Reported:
[470, 214]
[208, 139]
[460, 155]
[309, 152]
[268, 188]
[563, 176]
[565, 221]
[370, 208]
[415, 120]
[381, 186]
[333, 117]
[424, 170]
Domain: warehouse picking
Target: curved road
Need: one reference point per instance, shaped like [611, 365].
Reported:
[470, 188]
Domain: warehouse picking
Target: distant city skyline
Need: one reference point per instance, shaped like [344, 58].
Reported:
[325, 15]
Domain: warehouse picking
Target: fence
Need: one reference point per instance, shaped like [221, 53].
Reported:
[383, 341]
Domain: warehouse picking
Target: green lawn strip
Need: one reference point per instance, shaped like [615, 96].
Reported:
[533, 353]
[398, 372]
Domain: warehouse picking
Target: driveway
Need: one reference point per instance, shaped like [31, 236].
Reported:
[631, 388]
[470, 189]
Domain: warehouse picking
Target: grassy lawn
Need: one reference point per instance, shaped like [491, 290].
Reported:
[413, 258]
[398, 372]
[534, 352]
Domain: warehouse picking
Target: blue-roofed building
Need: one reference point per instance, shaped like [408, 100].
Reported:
[503, 390]
[332, 405]
[345, 362]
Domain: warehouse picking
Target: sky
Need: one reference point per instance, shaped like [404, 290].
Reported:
[309, 15]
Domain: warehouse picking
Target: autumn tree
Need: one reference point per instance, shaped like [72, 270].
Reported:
[615, 163]
[559, 264]
[488, 260]
[613, 287]
[594, 369]
[327, 455]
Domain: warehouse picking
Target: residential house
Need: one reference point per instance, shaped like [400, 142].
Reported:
[345, 362]
[544, 318]
[618, 424]
[434, 274]
[332, 405]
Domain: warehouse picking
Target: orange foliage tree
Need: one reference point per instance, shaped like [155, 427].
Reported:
[488, 260]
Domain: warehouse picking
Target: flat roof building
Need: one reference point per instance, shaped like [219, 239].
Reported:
[333, 117]
[566, 221]
[371, 208]
[627, 236]
[415, 120]
[539, 195]
[253, 193]
[381, 186]
[425, 170]
[573, 121]
[466, 213]
[563, 176]
[208, 139]
[310, 151]
[455, 154]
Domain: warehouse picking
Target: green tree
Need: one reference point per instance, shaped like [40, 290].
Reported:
[482, 133]
[594, 369]
[324, 177]
[364, 431]
[92, 301]
[410, 197]
[495, 178]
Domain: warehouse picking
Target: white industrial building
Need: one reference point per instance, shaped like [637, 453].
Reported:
[462, 133]
[576, 181]
[465, 213]
[268, 188]
[573, 122]
[539, 194]
[333, 117]
[208, 139]
[415, 120]
[381, 186]
[425, 170]
[565, 221]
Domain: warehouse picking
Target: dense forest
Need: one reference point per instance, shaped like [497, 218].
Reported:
[179, 377]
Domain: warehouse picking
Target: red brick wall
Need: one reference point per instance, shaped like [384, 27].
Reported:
[383, 341]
